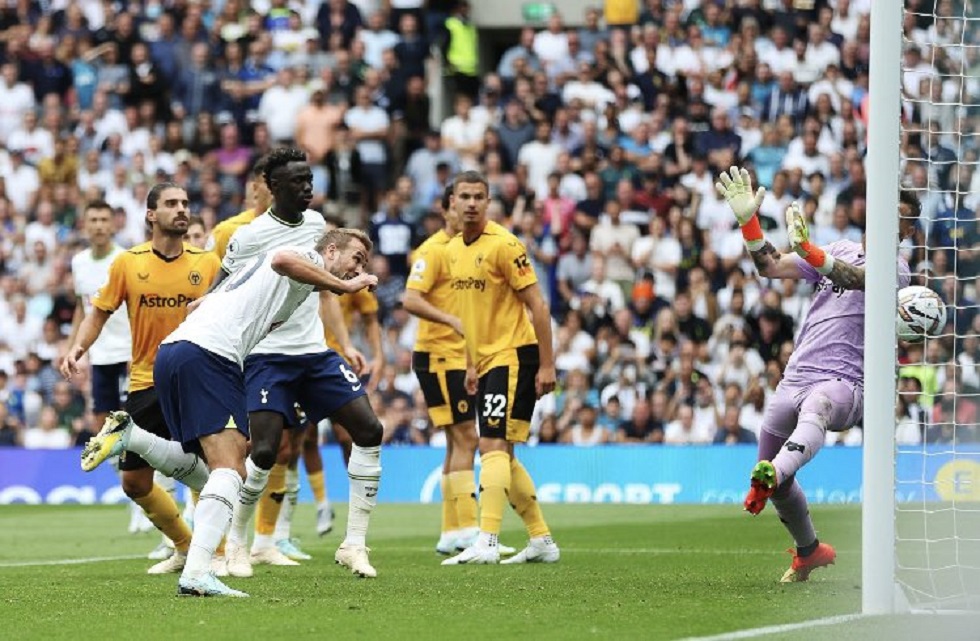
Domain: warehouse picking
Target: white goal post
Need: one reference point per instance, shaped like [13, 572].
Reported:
[921, 548]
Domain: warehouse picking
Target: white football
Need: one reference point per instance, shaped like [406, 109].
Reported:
[921, 313]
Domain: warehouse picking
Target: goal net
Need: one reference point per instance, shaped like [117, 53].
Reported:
[937, 471]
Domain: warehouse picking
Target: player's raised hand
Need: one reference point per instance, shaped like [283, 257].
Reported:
[735, 186]
[799, 240]
[797, 229]
[69, 364]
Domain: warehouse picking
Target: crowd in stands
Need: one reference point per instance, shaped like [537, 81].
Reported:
[601, 144]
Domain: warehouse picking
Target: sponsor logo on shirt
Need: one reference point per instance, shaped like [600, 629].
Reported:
[479, 284]
[155, 300]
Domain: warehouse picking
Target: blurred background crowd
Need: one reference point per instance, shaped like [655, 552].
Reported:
[601, 135]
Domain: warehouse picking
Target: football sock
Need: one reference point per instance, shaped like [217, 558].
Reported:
[791, 506]
[285, 521]
[807, 550]
[525, 501]
[211, 519]
[463, 490]
[318, 485]
[495, 480]
[168, 457]
[163, 512]
[364, 472]
[807, 438]
[449, 522]
[255, 482]
[269, 505]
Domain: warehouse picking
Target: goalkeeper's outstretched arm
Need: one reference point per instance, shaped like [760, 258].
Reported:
[736, 188]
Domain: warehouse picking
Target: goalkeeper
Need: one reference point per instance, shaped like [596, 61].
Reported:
[823, 385]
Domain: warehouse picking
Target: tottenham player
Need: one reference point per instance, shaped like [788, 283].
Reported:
[110, 353]
[822, 387]
[202, 385]
[293, 365]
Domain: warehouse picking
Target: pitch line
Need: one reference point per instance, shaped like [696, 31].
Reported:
[753, 633]
[94, 559]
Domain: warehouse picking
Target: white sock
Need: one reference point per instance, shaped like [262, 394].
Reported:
[262, 541]
[252, 489]
[364, 472]
[211, 519]
[166, 483]
[285, 521]
[487, 539]
[168, 457]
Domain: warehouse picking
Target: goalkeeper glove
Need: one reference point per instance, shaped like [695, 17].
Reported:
[799, 241]
[736, 188]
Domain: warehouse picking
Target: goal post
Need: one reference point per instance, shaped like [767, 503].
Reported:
[921, 492]
[882, 168]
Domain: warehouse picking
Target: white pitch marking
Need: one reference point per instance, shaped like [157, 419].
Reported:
[753, 633]
[94, 559]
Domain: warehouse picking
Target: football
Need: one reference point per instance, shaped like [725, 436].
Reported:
[921, 313]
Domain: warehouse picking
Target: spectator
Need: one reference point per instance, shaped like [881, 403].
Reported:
[641, 427]
[731, 431]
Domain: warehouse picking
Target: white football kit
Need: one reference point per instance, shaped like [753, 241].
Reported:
[302, 333]
[246, 307]
[115, 343]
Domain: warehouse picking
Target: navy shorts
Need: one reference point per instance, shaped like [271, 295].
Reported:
[320, 383]
[200, 393]
[109, 387]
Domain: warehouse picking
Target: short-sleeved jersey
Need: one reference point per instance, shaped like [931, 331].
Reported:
[363, 302]
[114, 344]
[430, 277]
[156, 291]
[223, 231]
[303, 332]
[831, 341]
[246, 307]
[486, 276]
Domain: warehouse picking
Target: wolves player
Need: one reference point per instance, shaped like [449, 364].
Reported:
[157, 281]
[202, 385]
[257, 198]
[439, 361]
[292, 364]
[510, 361]
[823, 385]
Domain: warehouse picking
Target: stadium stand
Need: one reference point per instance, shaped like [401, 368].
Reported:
[601, 140]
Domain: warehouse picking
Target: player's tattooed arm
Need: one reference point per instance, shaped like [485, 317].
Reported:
[846, 275]
[766, 258]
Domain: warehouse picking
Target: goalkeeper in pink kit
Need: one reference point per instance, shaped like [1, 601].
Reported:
[823, 385]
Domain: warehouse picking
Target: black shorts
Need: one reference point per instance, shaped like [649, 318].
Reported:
[444, 388]
[145, 409]
[109, 387]
[506, 396]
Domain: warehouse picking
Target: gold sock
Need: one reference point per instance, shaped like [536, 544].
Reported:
[163, 512]
[525, 501]
[449, 522]
[318, 485]
[463, 487]
[267, 511]
[494, 487]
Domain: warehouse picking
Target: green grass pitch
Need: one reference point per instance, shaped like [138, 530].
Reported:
[627, 572]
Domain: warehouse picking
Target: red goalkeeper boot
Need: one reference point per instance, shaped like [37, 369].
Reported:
[802, 566]
[763, 481]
